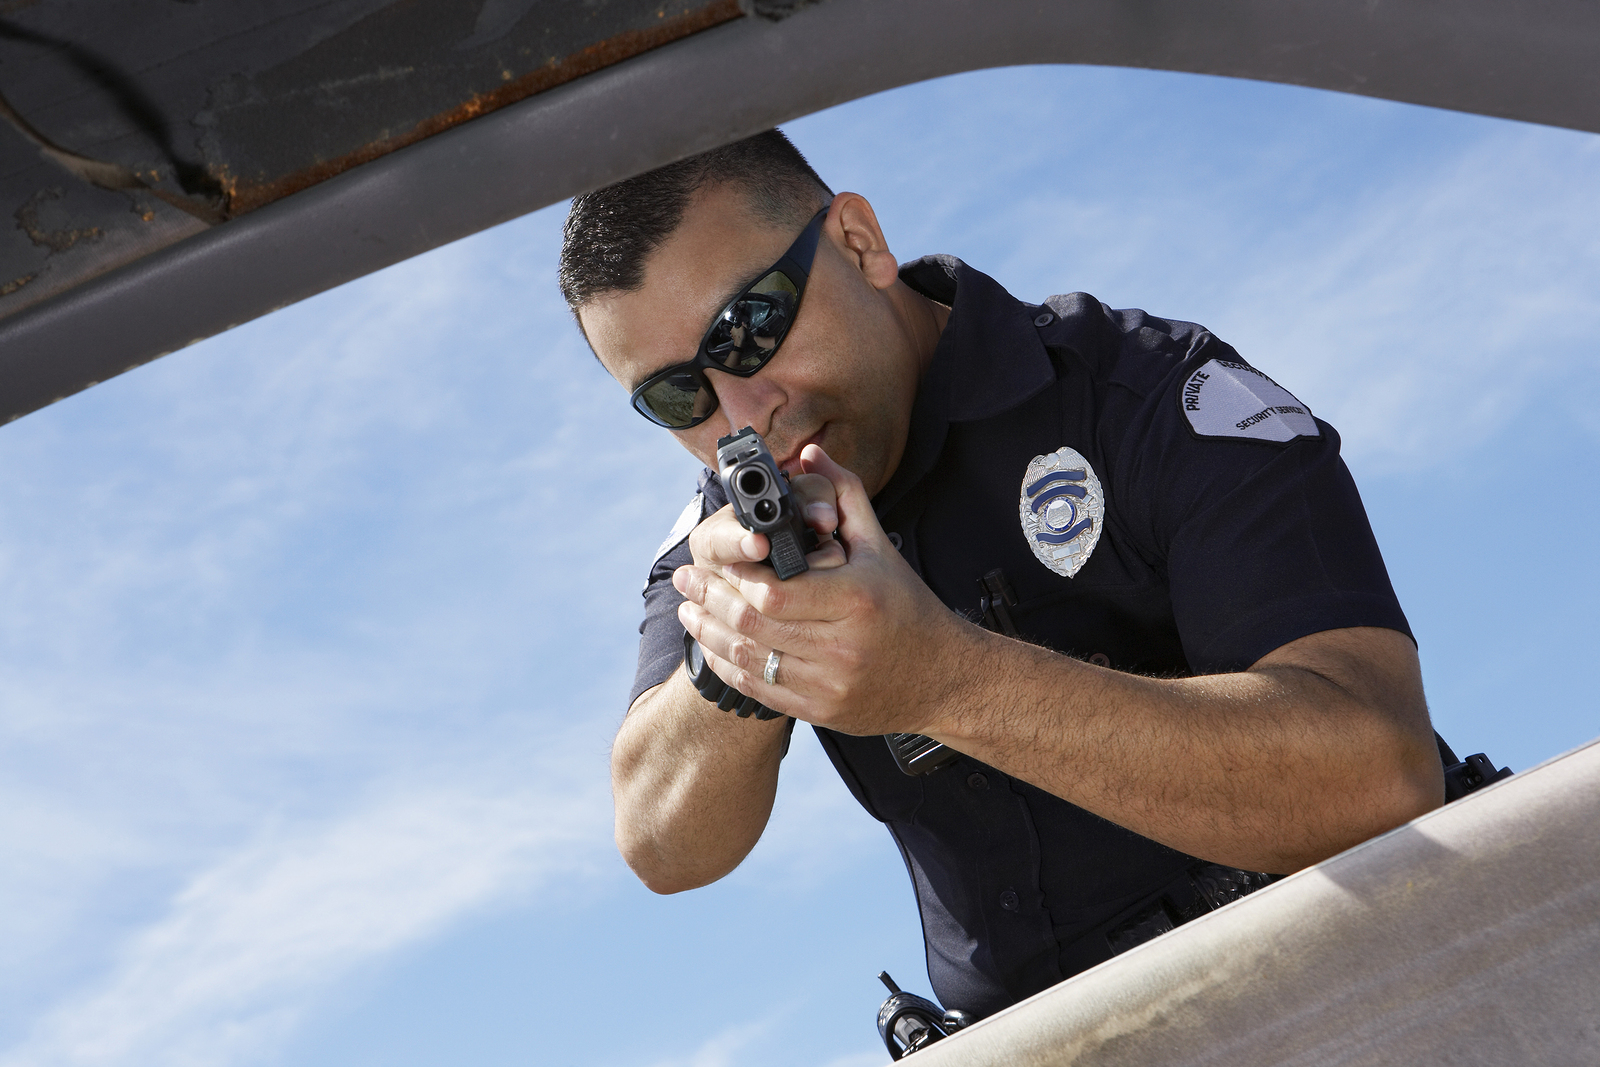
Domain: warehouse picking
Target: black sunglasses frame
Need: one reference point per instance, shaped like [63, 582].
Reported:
[795, 264]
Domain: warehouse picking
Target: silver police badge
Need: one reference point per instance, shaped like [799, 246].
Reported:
[1062, 508]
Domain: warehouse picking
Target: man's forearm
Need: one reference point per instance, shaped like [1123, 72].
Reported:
[1321, 745]
[693, 786]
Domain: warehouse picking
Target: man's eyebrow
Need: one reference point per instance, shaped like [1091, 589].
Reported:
[728, 297]
[664, 367]
[731, 294]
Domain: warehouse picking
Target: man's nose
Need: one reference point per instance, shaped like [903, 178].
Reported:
[748, 401]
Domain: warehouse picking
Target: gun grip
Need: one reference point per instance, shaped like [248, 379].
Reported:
[788, 558]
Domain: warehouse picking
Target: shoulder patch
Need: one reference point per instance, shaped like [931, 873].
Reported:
[1226, 399]
[688, 519]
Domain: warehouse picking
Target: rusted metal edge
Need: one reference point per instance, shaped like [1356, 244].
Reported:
[244, 197]
[106, 175]
[673, 101]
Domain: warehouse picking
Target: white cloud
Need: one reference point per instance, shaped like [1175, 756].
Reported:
[245, 949]
[762, 1041]
[1420, 315]
[252, 587]
[282, 611]
[1420, 278]
[735, 1045]
[1426, 323]
[861, 1059]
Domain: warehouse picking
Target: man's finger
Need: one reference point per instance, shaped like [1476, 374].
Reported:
[718, 639]
[800, 600]
[818, 502]
[740, 660]
[720, 540]
[797, 677]
[728, 605]
[858, 524]
[826, 556]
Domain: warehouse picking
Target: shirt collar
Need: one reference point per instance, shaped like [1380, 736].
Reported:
[988, 360]
[996, 359]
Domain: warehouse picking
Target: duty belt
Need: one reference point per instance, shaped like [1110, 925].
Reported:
[1202, 888]
[1198, 889]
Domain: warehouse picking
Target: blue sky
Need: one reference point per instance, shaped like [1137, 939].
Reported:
[314, 635]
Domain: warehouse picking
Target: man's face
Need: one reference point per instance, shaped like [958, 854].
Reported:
[845, 376]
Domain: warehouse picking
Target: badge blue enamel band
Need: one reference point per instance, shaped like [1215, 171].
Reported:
[1062, 509]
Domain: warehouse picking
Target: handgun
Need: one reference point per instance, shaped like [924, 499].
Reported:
[759, 492]
[762, 502]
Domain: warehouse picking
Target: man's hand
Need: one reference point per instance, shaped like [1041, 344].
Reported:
[857, 633]
[1321, 744]
[694, 785]
[720, 542]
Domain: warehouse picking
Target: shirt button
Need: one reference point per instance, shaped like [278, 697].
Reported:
[1044, 320]
[1008, 900]
[1100, 659]
[977, 781]
[896, 540]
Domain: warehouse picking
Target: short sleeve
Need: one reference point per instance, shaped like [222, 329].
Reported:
[660, 634]
[1257, 519]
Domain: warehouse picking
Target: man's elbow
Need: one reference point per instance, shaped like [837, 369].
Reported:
[667, 885]
[1411, 786]
[1418, 787]
[1391, 793]
[654, 870]
[661, 882]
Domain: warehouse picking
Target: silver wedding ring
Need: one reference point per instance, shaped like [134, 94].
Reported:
[770, 675]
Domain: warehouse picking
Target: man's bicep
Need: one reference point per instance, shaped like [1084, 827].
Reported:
[645, 697]
[1374, 665]
[1370, 678]
[1280, 549]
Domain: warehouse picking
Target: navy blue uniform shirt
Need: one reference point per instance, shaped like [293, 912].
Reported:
[1214, 549]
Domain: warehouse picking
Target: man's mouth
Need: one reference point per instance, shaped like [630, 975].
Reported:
[790, 464]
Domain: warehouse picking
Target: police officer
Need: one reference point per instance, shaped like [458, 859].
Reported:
[1211, 681]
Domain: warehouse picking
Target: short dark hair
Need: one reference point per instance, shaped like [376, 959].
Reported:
[611, 232]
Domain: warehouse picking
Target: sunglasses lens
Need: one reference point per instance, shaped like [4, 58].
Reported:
[748, 331]
[676, 399]
[743, 338]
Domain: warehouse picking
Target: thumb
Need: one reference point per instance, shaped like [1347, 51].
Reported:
[858, 523]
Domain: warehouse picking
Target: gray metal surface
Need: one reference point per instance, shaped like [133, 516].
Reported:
[1531, 61]
[1468, 937]
[206, 111]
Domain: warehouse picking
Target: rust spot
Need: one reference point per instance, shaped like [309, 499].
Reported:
[228, 185]
[27, 217]
[17, 283]
[244, 196]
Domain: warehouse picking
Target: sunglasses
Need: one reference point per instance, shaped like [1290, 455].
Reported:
[742, 339]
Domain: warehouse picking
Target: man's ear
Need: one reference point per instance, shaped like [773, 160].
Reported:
[855, 227]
